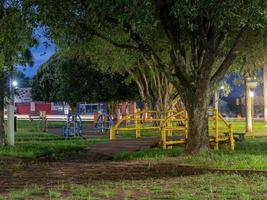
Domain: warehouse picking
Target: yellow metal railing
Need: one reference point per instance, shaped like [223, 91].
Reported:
[181, 124]
[168, 128]
[170, 121]
[137, 118]
[217, 117]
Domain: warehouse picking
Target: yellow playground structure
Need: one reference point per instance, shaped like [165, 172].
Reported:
[171, 127]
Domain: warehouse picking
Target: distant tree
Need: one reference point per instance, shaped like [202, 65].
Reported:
[73, 81]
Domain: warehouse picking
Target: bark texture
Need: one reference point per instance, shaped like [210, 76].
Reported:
[197, 103]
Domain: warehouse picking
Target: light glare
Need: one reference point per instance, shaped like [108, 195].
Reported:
[251, 94]
[14, 83]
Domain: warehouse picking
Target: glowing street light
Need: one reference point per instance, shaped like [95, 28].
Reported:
[222, 87]
[15, 83]
[251, 94]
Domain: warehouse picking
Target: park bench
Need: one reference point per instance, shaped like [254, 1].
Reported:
[240, 136]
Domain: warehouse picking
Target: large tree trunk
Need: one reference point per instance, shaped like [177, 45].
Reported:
[2, 113]
[197, 107]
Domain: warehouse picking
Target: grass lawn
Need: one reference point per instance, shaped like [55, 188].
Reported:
[207, 186]
[35, 125]
[249, 154]
[31, 143]
[240, 126]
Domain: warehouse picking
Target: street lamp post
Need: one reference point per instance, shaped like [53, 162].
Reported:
[217, 97]
[250, 86]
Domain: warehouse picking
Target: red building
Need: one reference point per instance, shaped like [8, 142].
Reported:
[34, 108]
[25, 106]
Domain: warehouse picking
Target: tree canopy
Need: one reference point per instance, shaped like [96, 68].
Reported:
[192, 43]
[73, 81]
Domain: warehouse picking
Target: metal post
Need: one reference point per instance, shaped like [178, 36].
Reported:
[216, 118]
[43, 120]
[137, 123]
[15, 124]
[10, 126]
[248, 111]
[169, 124]
[250, 85]
[10, 110]
[216, 100]
[75, 125]
[163, 138]
[231, 135]
[112, 133]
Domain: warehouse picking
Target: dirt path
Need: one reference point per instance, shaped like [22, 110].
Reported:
[17, 174]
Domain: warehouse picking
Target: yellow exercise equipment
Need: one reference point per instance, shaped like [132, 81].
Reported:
[173, 127]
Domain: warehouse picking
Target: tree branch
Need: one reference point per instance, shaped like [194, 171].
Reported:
[225, 65]
[93, 32]
[116, 44]
[141, 45]
[170, 25]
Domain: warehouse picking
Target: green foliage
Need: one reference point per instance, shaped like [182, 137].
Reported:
[115, 23]
[16, 34]
[180, 38]
[72, 80]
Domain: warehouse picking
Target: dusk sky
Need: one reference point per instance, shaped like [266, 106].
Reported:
[40, 54]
